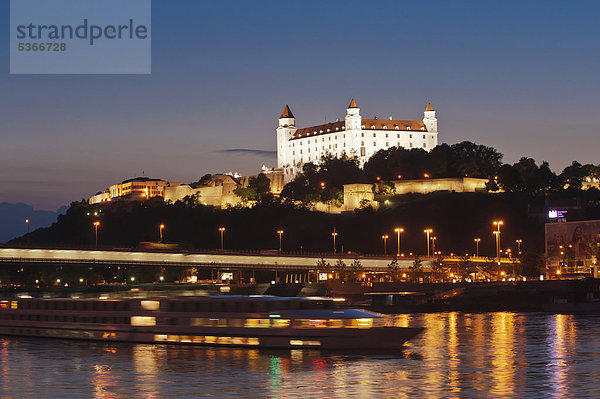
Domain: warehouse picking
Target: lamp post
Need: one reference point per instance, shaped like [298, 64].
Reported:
[280, 232]
[385, 237]
[428, 231]
[433, 244]
[222, 231]
[477, 241]
[160, 232]
[519, 241]
[27, 223]
[399, 230]
[498, 223]
[334, 235]
[96, 224]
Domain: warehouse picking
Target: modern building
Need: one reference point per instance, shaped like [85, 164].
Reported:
[354, 135]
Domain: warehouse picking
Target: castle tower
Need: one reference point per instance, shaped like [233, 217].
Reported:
[429, 119]
[353, 118]
[286, 129]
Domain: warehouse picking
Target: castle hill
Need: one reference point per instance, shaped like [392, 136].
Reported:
[352, 208]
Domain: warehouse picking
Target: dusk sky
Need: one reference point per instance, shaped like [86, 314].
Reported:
[519, 76]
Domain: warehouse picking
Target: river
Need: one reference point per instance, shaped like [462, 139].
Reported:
[459, 355]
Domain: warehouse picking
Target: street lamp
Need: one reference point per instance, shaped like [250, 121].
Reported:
[385, 237]
[334, 235]
[428, 231]
[519, 241]
[280, 232]
[498, 223]
[222, 231]
[27, 223]
[399, 230]
[160, 231]
[96, 224]
[477, 241]
[433, 244]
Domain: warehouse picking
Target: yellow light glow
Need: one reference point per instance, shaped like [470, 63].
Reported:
[143, 321]
[150, 305]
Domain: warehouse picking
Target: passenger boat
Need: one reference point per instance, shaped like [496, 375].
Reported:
[247, 321]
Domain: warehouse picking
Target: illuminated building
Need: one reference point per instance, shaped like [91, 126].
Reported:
[138, 188]
[354, 135]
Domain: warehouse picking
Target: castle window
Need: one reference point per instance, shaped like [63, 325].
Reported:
[362, 151]
[329, 138]
[424, 145]
[396, 127]
[423, 137]
[387, 144]
[384, 127]
[372, 126]
[322, 139]
[328, 130]
[337, 128]
[335, 147]
[309, 150]
[344, 135]
[386, 135]
[407, 127]
[398, 136]
[363, 126]
[410, 136]
[320, 131]
[344, 144]
[300, 151]
[422, 129]
[362, 143]
[374, 144]
[410, 145]
[293, 152]
[362, 135]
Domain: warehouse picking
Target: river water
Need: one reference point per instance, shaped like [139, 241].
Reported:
[459, 355]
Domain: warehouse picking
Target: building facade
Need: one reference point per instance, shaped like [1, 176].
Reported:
[354, 136]
[138, 188]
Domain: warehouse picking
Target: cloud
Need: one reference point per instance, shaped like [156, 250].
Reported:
[263, 153]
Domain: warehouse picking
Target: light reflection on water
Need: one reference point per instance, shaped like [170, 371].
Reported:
[458, 355]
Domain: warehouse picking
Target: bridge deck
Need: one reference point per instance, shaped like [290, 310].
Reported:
[229, 260]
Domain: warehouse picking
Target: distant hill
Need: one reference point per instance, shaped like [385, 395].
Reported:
[12, 219]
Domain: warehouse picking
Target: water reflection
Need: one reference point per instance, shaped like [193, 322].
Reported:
[458, 355]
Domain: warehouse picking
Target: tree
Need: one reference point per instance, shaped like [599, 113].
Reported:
[394, 270]
[527, 177]
[437, 267]
[258, 188]
[416, 269]
[532, 264]
[341, 270]
[356, 270]
[324, 182]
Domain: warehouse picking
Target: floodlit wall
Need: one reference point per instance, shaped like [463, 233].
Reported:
[424, 186]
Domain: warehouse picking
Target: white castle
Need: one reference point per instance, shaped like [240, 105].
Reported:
[353, 136]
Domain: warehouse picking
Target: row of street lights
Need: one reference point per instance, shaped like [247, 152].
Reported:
[399, 230]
